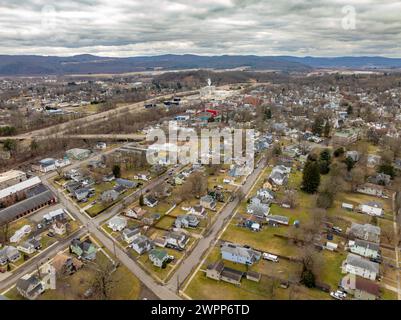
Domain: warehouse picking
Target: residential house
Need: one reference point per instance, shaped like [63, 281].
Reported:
[59, 227]
[371, 189]
[198, 210]
[366, 232]
[26, 247]
[373, 160]
[30, 287]
[257, 208]
[159, 257]
[360, 266]
[137, 212]
[81, 193]
[128, 184]
[208, 202]
[265, 195]
[150, 201]
[218, 271]
[129, 235]
[117, 223]
[83, 249]
[141, 244]
[55, 215]
[109, 195]
[364, 248]
[360, 288]
[50, 164]
[9, 254]
[354, 155]
[381, 179]
[278, 176]
[239, 254]
[108, 178]
[372, 208]
[186, 221]
[177, 240]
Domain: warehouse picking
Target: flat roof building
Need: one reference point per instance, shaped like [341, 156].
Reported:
[10, 178]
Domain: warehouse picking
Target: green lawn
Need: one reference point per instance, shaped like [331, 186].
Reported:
[124, 285]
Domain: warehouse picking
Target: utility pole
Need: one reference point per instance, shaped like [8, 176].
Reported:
[114, 248]
[178, 284]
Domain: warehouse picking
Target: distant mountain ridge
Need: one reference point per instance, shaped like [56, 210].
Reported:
[30, 65]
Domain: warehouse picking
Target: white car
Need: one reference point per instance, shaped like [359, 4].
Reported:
[270, 257]
[339, 295]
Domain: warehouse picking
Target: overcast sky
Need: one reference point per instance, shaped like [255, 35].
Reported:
[149, 27]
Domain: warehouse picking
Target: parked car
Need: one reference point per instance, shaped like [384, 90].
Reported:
[339, 295]
[270, 257]
[337, 229]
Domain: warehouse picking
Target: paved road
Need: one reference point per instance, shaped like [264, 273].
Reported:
[32, 263]
[188, 265]
[92, 226]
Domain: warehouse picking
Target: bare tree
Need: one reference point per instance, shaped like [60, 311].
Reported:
[103, 281]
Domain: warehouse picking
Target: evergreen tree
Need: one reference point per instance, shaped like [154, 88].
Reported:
[387, 169]
[326, 130]
[311, 177]
[117, 171]
[268, 114]
[325, 161]
[141, 201]
[350, 163]
[349, 109]
[317, 126]
[339, 152]
[308, 278]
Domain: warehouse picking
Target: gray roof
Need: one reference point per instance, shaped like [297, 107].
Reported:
[126, 183]
[281, 219]
[142, 242]
[25, 284]
[357, 261]
[356, 227]
[367, 244]
[238, 250]
[131, 232]
[10, 213]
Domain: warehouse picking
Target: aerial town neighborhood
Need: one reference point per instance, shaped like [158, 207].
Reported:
[316, 218]
[198, 177]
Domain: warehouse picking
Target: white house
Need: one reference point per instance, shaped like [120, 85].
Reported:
[364, 248]
[20, 233]
[117, 223]
[372, 208]
[26, 247]
[150, 201]
[130, 235]
[360, 266]
[141, 244]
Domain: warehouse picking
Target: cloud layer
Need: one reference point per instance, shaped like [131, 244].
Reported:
[149, 27]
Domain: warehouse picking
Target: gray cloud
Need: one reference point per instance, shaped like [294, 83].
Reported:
[137, 27]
